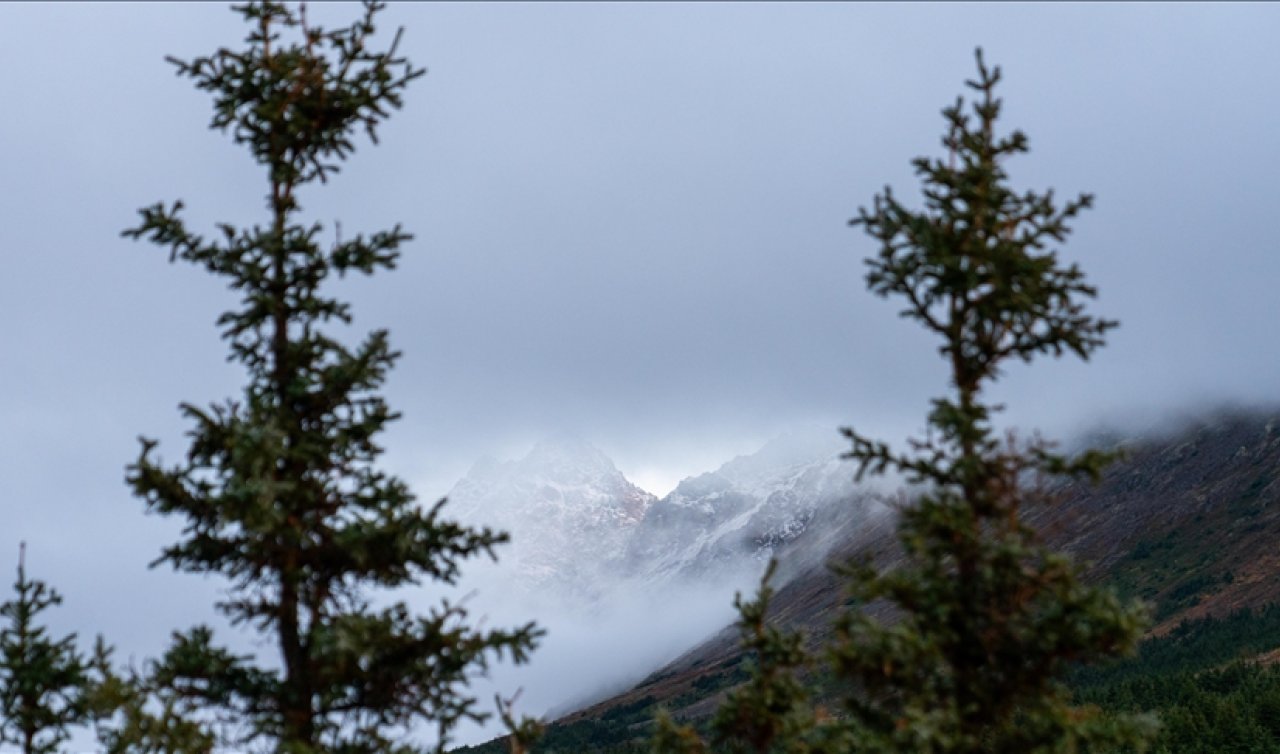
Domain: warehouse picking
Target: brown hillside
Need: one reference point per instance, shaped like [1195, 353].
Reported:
[1187, 521]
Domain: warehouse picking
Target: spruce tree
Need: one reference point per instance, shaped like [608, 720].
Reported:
[278, 490]
[44, 681]
[985, 619]
[960, 646]
[134, 715]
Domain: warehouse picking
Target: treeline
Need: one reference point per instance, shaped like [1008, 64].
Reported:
[1212, 683]
[1230, 709]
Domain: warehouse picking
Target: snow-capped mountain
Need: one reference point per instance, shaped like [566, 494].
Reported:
[579, 528]
[745, 511]
[569, 511]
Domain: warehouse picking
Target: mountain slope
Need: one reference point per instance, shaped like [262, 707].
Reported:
[746, 511]
[1188, 521]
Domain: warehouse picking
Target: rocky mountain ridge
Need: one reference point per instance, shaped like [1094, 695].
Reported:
[569, 510]
[579, 527]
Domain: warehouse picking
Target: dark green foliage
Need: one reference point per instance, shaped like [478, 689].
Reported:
[1203, 683]
[628, 711]
[1235, 709]
[135, 715]
[1191, 647]
[985, 619]
[278, 489]
[44, 682]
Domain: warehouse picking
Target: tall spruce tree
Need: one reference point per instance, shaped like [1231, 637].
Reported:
[279, 490]
[971, 631]
[44, 682]
[986, 618]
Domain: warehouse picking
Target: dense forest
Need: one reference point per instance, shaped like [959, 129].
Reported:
[1213, 684]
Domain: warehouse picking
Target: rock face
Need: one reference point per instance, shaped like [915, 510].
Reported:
[569, 510]
[749, 509]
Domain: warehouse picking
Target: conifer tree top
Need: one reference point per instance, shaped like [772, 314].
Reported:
[43, 680]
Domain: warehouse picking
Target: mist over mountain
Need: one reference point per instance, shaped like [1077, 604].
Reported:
[579, 527]
[746, 511]
[625, 581]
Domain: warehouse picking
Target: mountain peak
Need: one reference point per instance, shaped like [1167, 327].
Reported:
[569, 510]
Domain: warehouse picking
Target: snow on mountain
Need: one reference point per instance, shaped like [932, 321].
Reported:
[569, 511]
[603, 565]
[746, 511]
[580, 529]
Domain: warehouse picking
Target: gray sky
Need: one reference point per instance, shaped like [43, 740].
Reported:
[631, 224]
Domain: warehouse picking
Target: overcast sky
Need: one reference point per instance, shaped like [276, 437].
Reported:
[631, 224]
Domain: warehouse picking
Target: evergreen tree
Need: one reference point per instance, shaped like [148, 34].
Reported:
[279, 490]
[969, 636]
[986, 619]
[134, 715]
[44, 681]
